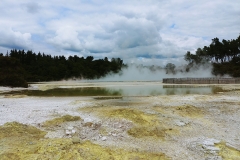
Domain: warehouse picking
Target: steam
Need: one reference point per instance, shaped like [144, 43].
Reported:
[136, 73]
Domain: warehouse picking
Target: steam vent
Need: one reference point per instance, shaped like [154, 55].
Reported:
[202, 80]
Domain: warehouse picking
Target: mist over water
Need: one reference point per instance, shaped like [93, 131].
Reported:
[134, 73]
[118, 89]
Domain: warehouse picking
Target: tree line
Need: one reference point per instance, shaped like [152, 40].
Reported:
[41, 67]
[224, 56]
[11, 72]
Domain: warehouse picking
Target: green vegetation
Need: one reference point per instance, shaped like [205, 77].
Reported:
[11, 72]
[41, 67]
[18, 66]
[223, 56]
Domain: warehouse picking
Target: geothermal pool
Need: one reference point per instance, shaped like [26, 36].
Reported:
[114, 89]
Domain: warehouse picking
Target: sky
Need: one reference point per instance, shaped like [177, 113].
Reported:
[138, 31]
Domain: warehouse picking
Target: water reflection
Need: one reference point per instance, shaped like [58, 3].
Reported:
[68, 92]
[131, 90]
[153, 90]
[189, 89]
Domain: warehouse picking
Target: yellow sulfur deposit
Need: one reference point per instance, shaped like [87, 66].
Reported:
[189, 111]
[157, 131]
[183, 111]
[57, 121]
[227, 152]
[135, 116]
[15, 129]
[145, 125]
[25, 142]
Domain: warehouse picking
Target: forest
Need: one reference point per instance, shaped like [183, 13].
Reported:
[19, 66]
[224, 56]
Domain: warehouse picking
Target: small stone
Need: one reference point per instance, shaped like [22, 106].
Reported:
[88, 124]
[114, 134]
[104, 138]
[211, 148]
[210, 142]
[68, 132]
[70, 128]
[76, 140]
[73, 131]
[96, 126]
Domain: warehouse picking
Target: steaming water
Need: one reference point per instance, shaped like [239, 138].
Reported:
[134, 73]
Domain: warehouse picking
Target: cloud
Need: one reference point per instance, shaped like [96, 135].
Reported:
[32, 7]
[132, 30]
[126, 36]
[135, 32]
[14, 39]
[67, 38]
[71, 38]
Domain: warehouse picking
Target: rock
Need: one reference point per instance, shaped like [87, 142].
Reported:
[88, 124]
[70, 128]
[68, 132]
[104, 138]
[76, 140]
[114, 134]
[209, 145]
[96, 126]
[73, 131]
[88, 119]
[210, 142]
[211, 148]
[180, 123]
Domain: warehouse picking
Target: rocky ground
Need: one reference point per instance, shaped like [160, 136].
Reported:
[174, 127]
